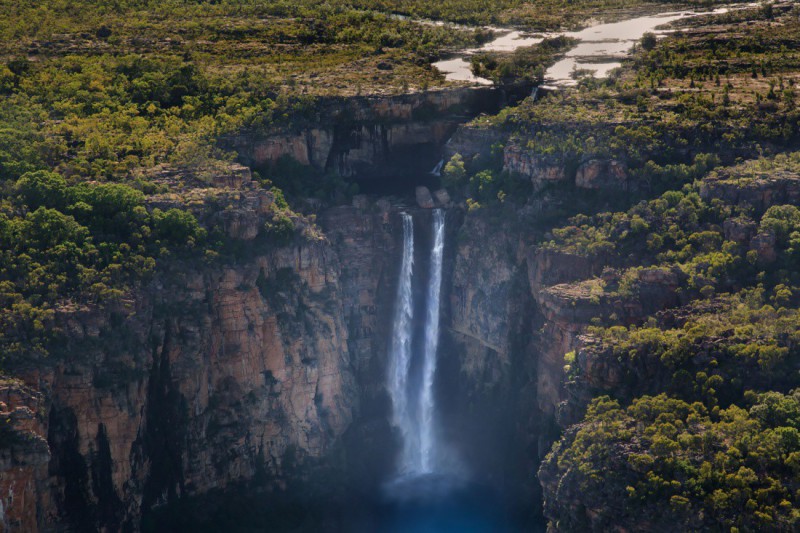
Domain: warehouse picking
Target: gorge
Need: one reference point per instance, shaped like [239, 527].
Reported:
[420, 451]
[579, 321]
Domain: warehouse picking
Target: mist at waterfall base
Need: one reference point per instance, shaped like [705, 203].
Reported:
[431, 491]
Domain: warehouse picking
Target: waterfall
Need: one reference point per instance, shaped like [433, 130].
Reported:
[416, 427]
[427, 401]
[400, 356]
[437, 170]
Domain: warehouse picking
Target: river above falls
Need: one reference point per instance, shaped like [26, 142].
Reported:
[600, 48]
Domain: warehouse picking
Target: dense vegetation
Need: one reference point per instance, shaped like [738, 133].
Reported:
[84, 242]
[663, 460]
[685, 416]
[681, 229]
[739, 335]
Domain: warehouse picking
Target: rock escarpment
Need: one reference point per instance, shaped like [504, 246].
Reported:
[758, 192]
[209, 376]
[587, 173]
[214, 376]
[369, 136]
[474, 142]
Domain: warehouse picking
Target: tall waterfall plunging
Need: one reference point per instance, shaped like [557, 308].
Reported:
[413, 401]
[426, 403]
[400, 352]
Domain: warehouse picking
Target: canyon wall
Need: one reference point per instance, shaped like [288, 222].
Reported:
[213, 375]
[208, 376]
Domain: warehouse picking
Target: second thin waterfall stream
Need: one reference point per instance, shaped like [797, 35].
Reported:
[427, 433]
[413, 401]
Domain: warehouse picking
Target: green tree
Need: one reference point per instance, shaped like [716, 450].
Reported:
[42, 188]
[649, 41]
[178, 226]
[454, 172]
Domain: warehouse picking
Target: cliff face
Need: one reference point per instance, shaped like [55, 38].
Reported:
[607, 174]
[208, 377]
[23, 456]
[569, 308]
[490, 359]
[364, 136]
[215, 375]
[472, 142]
[482, 299]
[759, 193]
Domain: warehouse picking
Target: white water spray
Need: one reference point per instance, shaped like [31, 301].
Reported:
[417, 428]
[400, 355]
[427, 401]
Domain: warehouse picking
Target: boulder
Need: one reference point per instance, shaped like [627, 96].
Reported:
[424, 198]
[442, 197]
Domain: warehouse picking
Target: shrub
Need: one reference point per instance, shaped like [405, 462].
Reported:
[280, 229]
[178, 226]
[42, 188]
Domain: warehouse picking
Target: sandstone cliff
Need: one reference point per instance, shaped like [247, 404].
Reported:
[210, 375]
[363, 136]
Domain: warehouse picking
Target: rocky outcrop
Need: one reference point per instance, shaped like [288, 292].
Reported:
[539, 170]
[424, 198]
[235, 177]
[369, 136]
[442, 198]
[548, 267]
[569, 308]
[551, 266]
[606, 174]
[349, 151]
[602, 174]
[764, 244]
[761, 192]
[740, 229]
[471, 142]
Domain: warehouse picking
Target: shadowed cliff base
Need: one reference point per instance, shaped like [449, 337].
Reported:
[427, 504]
